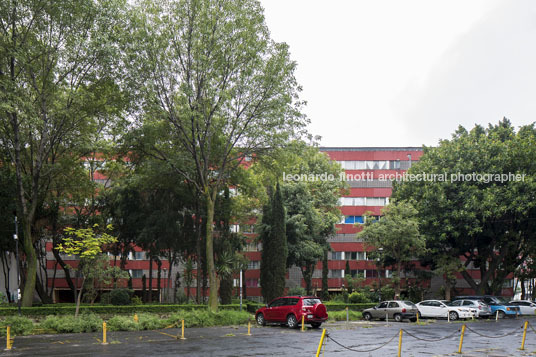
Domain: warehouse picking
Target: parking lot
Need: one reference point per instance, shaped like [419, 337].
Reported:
[429, 338]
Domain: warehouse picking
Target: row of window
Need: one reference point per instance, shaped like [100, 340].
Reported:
[369, 273]
[356, 219]
[370, 165]
[348, 255]
[364, 201]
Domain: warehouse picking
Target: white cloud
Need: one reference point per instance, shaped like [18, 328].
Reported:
[386, 73]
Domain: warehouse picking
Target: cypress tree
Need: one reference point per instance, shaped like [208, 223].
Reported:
[325, 271]
[274, 248]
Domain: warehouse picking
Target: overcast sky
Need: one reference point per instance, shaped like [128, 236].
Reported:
[407, 73]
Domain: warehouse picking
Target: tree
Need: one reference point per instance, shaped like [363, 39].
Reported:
[220, 88]
[87, 245]
[55, 81]
[274, 248]
[397, 233]
[480, 212]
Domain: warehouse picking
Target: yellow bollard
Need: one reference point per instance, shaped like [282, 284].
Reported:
[524, 335]
[461, 339]
[136, 319]
[417, 318]
[400, 343]
[249, 328]
[303, 322]
[182, 331]
[9, 343]
[104, 334]
[321, 343]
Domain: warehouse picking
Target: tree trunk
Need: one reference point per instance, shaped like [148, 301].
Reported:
[308, 277]
[523, 292]
[150, 279]
[398, 283]
[5, 269]
[325, 273]
[212, 278]
[447, 288]
[79, 298]
[31, 262]
[158, 280]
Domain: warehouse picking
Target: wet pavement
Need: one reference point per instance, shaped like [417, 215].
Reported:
[430, 338]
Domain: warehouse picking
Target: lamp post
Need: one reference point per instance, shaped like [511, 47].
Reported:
[16, 237]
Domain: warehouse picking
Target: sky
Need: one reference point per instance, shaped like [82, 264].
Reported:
[408, 73]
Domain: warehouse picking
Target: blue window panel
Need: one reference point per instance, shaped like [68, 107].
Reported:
[349, 220]
[359, 219]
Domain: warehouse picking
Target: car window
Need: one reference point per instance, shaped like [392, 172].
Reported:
[311, 302]
[393, 304]
[383, 305]
[425, 303]
[435, 303]
[276, 303]
[292, 301]
[456, 303]
[468, 303]
[410, 303]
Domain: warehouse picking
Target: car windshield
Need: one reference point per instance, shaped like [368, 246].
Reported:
[311, 302]
[409, 303]
[501, 300]
[454, 303]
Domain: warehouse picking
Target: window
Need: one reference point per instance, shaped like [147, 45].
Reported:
[139, 255]
[394, 165]
[254, 264]
[393, 304]
[353, 219]
[361, 256]
[336, 255]
[383, 305]
[310, 302]
[136, 273]
[468, 303]
[252, 283]
[456, 303]
[292, 301]
[350, 255]
[376, 201]
[277, 302]
[335, 273]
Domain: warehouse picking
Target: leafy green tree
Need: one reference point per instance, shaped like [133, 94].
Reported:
[397, 233]
[219, 87]
[485, 220]
[274, 248]
[55, 82]
[87, 244]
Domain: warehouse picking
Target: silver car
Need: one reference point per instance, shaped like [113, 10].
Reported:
[526, 307]
[392, 309]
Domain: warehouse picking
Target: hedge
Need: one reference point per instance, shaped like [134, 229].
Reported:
[46, 310]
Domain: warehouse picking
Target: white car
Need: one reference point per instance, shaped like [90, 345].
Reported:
[526, 307]
[442, 309]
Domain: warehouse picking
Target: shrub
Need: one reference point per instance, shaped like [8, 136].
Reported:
[105, 299]
[120, 297]
[206, 318]
[297, 290]
[122, 323]
[151, 322]
[71, 324]
[136, 300]
[357, 297]
[341, 315]
[19, 325]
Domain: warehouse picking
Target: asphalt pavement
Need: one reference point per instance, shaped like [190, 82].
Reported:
[429, 338]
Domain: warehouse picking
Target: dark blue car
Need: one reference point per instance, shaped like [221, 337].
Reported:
[499, 305]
